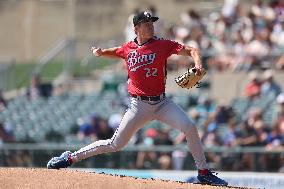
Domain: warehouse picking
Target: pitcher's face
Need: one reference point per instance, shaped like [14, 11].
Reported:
[145, 29]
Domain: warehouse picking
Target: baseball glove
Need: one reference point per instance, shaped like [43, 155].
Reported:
[190, 78]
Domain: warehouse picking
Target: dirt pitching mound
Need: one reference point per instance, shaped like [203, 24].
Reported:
[27, 178]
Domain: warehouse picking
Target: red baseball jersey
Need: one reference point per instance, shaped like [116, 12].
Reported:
[146, 65]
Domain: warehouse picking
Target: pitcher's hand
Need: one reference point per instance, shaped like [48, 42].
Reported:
[198, 69]
[97, 51]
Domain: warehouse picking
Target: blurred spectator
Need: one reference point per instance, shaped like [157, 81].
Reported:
[38, 89]
[34, 90]
[104, 131]
[263, 11]
[210, 138]
[230, 10]
[272, 140]
[258, 49]
[205, 106]
[147, 159]
[280, 110]
[269, 86]
[230, 136]
[223, 114]
[280, 63]
[3, 102]
[252, 89]
[276, 136]
[191, 19]
[164, 158]
[247, 135]
[223, 58]
[6, 135]
[277, 35]
[239, 52]
[235, 39]
[13, 158]
[278, 7]
[88, 131]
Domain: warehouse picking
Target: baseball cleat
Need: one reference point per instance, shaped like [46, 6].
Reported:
[63, 161]
[211, 179]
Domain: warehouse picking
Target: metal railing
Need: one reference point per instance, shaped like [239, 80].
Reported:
[137, 148]
[41, 152]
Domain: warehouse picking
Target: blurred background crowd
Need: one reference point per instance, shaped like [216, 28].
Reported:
[233, 40]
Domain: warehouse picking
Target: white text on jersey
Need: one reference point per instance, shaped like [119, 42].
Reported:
[135, 60]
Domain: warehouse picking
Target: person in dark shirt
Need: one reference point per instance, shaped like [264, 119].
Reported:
[89, 130]
[164, 158]
[104, 131]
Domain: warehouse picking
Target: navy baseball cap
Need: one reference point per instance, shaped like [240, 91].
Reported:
[142, 17]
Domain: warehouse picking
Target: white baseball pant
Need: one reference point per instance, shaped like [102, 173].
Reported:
[139, 113]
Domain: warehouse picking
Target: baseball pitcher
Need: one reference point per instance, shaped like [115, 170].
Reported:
[146, 59]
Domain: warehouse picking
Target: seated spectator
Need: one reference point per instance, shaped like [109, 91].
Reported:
[230, 10]
[104, 131]
[205, 106]
[191, 20]
[269, 86]
[240, 57]
[276, 137]
[280, 101]
[223, 114]
[247, 135]
[261, 10]
[277, 35]
[224, 58]
[164, 158]
[88, 131]
[147, 159]
[230, 136]
[210, 138]
[280, 63]
[271, 140]
[252, 89]
[6, 136]
[258, 49]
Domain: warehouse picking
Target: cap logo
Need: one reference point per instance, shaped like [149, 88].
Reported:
[147, 14]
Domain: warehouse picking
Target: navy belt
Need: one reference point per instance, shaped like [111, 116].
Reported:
[149, 98]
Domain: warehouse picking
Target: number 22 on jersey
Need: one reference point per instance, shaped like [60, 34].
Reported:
[151, 72]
